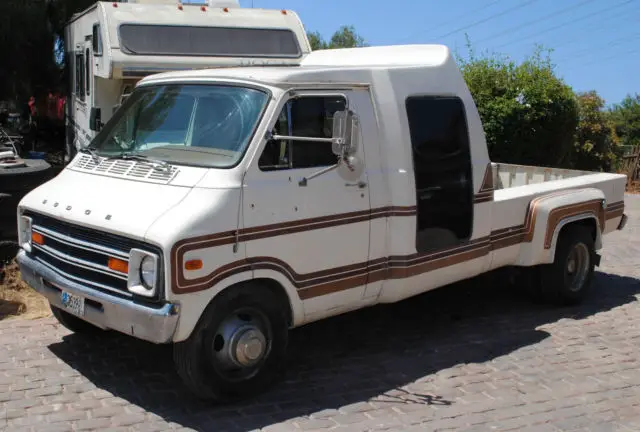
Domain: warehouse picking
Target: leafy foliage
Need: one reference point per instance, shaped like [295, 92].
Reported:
[26, 48]
[529, 115]
[345, 37]
[596, 144]
[626, 120]
[31, 35]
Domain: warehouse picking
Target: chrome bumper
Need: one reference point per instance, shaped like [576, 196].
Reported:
[103, 310]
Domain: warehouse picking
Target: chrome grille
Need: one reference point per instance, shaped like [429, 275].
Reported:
[81, 254]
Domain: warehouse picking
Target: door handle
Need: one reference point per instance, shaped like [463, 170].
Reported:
[360, 184]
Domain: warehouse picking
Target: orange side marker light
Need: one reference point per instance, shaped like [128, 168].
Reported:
[194, 264]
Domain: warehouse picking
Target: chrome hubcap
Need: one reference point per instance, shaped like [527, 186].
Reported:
[241, 342]
[577, 267]
[249, 347]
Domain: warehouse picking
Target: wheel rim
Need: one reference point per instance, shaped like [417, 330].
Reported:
[577, 267]
[241, 343]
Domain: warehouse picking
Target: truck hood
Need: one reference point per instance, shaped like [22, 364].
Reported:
[111, 204]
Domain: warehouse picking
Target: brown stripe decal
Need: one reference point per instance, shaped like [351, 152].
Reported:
[614, 210]
[393, 267]
[485, 194]
[556, 215]
[183, 285]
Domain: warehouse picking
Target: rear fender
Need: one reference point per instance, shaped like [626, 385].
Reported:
[549, 214]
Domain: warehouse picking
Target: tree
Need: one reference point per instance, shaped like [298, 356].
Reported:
[626, 120]
[31, 34]
[596, 144]
[345, 37]
[529, 115]
[26, 49]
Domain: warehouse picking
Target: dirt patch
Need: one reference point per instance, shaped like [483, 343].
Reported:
[17, 299]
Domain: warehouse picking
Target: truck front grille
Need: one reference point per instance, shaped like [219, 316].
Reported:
[81, 254]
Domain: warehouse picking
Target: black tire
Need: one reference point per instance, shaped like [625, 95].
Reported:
[23, 179]
[557, 284]
[8, 251]
[195, 358]
[74, 323]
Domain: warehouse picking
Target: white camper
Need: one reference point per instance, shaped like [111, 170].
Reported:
[112, 45]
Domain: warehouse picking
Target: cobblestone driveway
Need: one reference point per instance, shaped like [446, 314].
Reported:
[466, 358]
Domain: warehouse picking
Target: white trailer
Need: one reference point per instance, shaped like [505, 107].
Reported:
[112, 45]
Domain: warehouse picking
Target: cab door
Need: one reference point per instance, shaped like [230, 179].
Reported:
[313, 235]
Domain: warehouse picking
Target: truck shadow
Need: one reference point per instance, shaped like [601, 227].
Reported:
[348, 359]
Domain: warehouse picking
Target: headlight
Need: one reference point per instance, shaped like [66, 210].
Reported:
[148, 272]
[143, 273]
[24, 232]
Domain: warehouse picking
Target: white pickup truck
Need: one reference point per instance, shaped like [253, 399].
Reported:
[217, 209]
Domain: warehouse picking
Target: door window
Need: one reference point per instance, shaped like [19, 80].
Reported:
[309, 117]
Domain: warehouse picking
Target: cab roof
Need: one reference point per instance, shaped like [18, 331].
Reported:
[333, 65]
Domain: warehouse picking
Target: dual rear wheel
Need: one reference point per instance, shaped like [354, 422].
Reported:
[567, 280]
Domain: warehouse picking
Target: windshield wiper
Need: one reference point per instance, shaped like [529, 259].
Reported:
[92, 152]
[158, 165]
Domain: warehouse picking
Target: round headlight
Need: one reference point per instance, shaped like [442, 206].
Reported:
[148, 272]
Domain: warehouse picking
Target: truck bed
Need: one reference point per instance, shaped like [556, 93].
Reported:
[515, 186]
[508, 175]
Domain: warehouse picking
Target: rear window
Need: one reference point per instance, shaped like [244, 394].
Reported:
[146, 39]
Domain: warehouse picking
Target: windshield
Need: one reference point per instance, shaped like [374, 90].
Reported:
[204, 125]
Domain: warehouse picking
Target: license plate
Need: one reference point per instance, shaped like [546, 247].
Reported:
[72, 303]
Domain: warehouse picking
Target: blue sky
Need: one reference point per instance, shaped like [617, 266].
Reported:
[596, 45]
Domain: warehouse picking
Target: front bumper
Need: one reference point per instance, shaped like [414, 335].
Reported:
[155, 325]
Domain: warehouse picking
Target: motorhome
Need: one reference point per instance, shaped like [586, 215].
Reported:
[112, 45]
[236, 204]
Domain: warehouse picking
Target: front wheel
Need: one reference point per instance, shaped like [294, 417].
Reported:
[238, 348]
[567, 280]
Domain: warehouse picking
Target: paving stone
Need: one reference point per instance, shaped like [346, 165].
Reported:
[472, 357]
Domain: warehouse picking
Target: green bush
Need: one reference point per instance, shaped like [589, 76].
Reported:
[529, 115]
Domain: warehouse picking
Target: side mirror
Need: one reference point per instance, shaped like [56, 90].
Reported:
[345, 142]
[94, 119]
[345, 137]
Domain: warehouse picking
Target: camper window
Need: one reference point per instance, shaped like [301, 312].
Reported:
[177, 40]
[310, 117]
[79, 76]
[97, 40]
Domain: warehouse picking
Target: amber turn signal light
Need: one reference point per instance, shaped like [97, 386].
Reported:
[118, 265]
[37, 238]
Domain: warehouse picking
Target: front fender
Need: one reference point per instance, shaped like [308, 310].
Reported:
[192, 305]
[548, 214]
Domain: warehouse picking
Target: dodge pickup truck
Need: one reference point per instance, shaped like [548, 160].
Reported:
[219, 209]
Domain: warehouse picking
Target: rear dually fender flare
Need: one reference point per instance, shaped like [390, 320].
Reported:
[551, 213]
